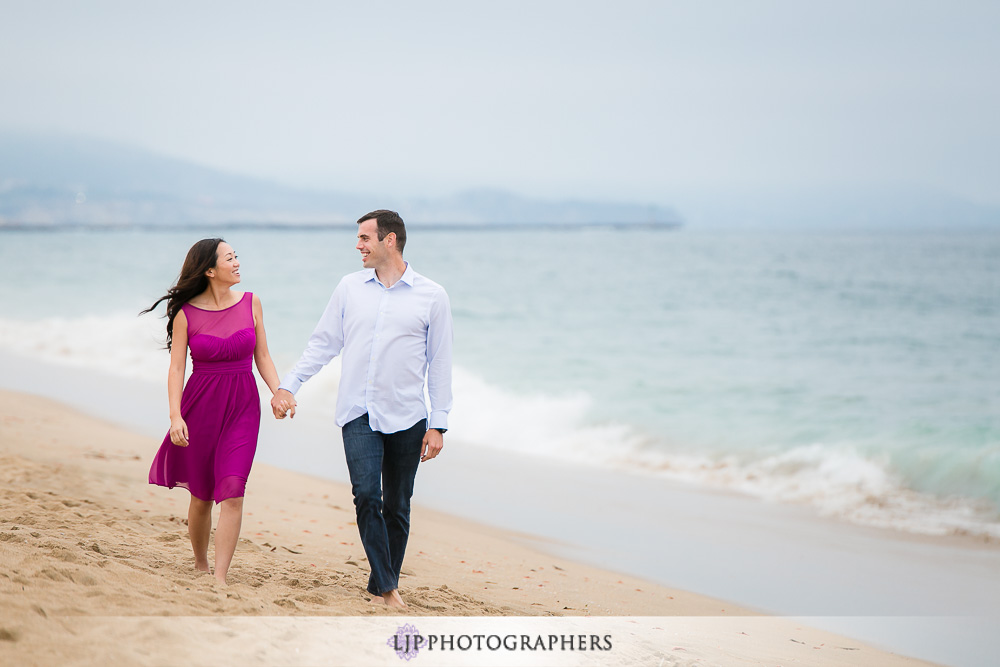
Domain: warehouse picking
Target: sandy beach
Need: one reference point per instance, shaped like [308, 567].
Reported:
[88, 549]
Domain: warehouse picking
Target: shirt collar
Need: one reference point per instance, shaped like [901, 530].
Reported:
[407, 276]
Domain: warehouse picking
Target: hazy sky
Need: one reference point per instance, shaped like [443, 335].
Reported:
[607, 99]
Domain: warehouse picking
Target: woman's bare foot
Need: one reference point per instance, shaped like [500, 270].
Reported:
[202, 567]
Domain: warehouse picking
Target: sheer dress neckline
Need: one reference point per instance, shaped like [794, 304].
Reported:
[207, 310]
[220, 323]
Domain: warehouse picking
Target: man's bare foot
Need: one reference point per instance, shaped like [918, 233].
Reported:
[377, 599]
[392, 599]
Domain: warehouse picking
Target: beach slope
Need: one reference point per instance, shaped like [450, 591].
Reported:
[95, 567]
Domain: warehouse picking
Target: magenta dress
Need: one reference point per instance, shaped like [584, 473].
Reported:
[220, 405]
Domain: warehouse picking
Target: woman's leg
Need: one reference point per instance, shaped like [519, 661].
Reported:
[200, 530]
[227, 534]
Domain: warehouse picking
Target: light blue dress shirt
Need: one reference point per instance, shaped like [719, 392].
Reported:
[390, 340]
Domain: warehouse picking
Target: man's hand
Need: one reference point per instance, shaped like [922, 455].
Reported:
[282, 403]
[433, 442]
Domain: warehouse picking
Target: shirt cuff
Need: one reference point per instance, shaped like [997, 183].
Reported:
[290, 383]
[438, 419]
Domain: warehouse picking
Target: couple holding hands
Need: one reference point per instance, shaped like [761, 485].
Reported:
[391, 327]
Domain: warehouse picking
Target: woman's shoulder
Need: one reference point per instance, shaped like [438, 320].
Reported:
[180, 319]
[247, 301]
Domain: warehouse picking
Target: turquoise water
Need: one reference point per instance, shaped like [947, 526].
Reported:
[855, 372]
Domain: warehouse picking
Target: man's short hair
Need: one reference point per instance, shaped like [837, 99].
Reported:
[389, 222]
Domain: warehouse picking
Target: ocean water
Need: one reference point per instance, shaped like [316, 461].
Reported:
[857, 374]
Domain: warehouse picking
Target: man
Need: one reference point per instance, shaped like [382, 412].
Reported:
[392, 328]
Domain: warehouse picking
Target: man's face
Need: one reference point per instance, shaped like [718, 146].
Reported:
[373, 251]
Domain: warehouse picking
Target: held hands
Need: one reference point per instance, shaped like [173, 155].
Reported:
[433, 442]
[178, 432]
[282, 403]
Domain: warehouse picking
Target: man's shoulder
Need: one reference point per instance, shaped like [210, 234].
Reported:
[421, 281]
[356, 278]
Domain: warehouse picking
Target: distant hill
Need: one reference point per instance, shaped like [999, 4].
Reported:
[65, 180]
[844, 208]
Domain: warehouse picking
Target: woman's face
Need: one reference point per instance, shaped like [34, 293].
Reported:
[227, 265]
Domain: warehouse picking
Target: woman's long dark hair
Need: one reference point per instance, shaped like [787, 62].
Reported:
[192, 281]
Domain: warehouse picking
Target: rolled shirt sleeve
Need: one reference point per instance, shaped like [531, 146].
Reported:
[440, 336]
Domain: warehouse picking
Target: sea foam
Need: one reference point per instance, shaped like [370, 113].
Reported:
[835, 479]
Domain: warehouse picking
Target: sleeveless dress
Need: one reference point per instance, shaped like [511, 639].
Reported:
[220, 405]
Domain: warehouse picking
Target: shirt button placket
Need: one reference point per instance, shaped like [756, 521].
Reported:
[372, 367]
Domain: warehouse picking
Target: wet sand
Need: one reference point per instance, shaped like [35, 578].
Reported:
[95, 566]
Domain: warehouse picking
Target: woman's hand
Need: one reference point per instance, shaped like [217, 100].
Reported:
[283, 403]
[178, 432]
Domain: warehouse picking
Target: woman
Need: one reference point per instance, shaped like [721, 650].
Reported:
[215, 421]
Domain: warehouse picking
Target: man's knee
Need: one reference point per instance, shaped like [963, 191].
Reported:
[396, 505]
[367, 496]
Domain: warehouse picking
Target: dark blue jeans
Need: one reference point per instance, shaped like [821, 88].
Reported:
[383, 467]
